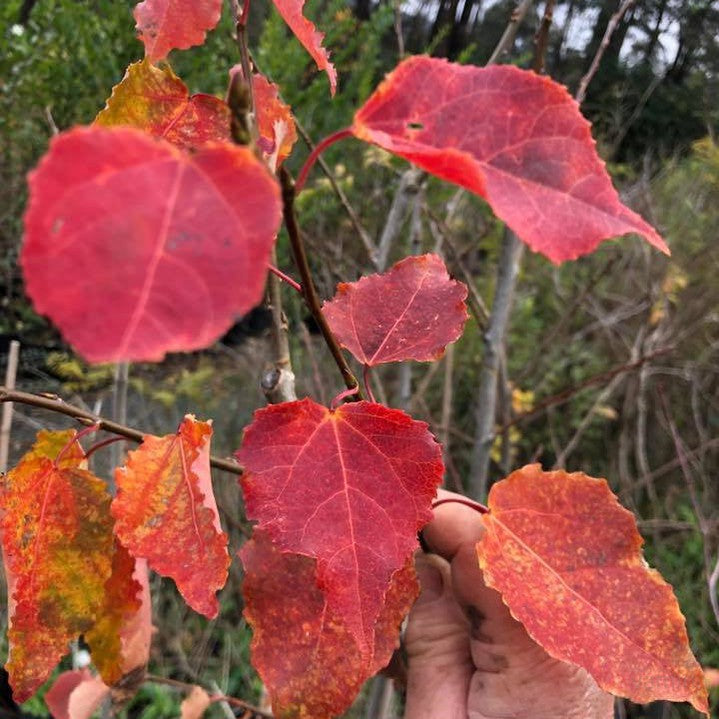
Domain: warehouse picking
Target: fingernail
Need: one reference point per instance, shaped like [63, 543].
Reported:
[431, 581]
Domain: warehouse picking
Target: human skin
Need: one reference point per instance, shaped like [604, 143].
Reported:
[468, 658]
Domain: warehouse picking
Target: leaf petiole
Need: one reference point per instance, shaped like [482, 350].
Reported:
[318, 150]
[78, 436]
[476, 506]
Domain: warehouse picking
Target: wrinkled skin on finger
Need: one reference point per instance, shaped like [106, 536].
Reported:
[468, 657]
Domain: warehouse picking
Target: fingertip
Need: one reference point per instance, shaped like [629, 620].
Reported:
[453, 526]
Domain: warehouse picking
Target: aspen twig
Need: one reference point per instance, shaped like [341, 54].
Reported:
[53, 403]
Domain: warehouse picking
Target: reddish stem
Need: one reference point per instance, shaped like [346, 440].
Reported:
[78, 435]
[476, 506]
[319, 149]
[343, 395]
[367, 385]
[245, 13]
[102, 444]
[285, 278]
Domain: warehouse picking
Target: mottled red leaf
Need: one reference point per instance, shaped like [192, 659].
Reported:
[511, 136]
[76, 695]
[165, 511]
[155, 100]
[165, 25]
[308, 35]
[57, 546]
[350, 487]
[134, 248]
[120, 638]
[302, 648]
[411, 312]
[194, 704]
[274, 121]
[567, 559]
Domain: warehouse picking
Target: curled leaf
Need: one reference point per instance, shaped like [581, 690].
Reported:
[165, 511]
[511, 136]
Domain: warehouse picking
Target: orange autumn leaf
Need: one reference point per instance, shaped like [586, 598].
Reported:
[298, 637]
[274, 121]
[120, 639]
[57, 546]
[155, 100]
[567, 560]
[165, 511]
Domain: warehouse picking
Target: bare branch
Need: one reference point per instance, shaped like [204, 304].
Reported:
[510, 32]
[611, 27]
[53, 403]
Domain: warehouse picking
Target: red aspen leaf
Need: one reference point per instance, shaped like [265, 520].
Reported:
[349, 487]
[155, 100]
[411, 312]
[57, 546]
[194, 704]
[567, 559]
[165, 25]
[76, 695]
[515, 138]
[306, 655]
[159, 250]
[120, 638]
[274, 121]
[165, 511]
[308, 35]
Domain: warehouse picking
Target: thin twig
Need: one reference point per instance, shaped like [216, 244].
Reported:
[7, 410]
[566, 394]
[53, 403]
[364, 236]
[278, 382]
[611, 27]
[409, 185]
[697, 504]
[309, 292]
[510, 32]
[186, 686]
[540, 39]
[474, 299]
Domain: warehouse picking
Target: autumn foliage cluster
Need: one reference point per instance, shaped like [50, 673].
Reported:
[166, 210]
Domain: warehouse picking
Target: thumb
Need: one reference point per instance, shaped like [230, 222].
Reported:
[437, 643]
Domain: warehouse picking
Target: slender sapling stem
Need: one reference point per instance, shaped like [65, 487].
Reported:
[309, 292]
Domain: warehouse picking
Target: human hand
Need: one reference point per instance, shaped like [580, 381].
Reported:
[468, 658]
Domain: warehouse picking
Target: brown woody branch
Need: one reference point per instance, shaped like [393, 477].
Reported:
[53, 403]
[309, 292]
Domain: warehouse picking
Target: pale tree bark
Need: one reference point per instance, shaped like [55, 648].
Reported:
[486, 401]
